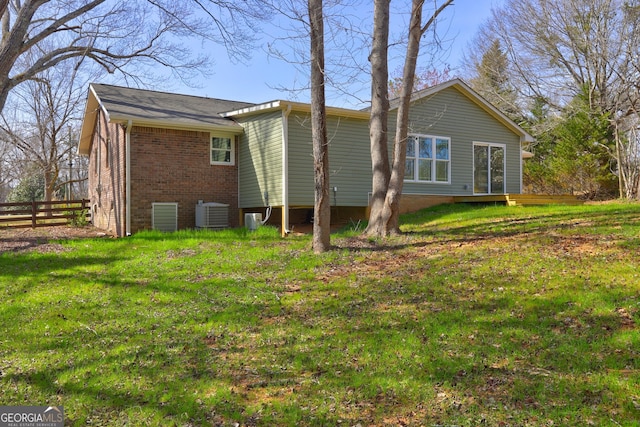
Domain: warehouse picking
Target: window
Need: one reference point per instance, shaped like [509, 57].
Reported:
[222, 152]
[427, 159]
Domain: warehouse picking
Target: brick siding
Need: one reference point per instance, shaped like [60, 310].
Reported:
[167, 165]
[170, 165]
[106, 177]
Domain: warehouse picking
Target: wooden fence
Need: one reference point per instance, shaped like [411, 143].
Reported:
[43, 214]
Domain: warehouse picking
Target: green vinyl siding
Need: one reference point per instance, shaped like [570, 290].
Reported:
[451, 114]
[349, 161]
[260, 164]
[448, 113]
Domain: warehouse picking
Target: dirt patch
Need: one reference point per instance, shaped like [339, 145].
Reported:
[42, 239]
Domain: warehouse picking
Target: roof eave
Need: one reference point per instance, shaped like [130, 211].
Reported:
[295, 106]
[170, 124]
[91, 108]
[91, 114]
[255, 109]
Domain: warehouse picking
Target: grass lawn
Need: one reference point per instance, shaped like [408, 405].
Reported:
[496, 316]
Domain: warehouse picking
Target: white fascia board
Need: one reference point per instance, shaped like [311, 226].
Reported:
[261, 108]
[296, 106]
[92, 106]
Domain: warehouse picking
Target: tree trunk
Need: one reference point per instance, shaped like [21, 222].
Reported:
[622, 178]
[50, 178]
[378, 123]
[637, 187]
[3, 7]
[384, 216]
[391, 211]
[322, 206]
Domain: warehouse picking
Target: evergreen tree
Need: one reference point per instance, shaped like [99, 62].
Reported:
[30, 188]
[492, 81]
[575, 154]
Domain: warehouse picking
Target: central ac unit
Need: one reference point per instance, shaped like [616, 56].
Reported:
[212, 215]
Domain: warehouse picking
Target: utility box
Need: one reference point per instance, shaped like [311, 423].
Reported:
[252, 221]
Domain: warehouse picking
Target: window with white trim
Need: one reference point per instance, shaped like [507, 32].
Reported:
[428, 159]
[222, 150]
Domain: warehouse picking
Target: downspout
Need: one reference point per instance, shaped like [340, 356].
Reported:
[98, 188]
[127, 178]
[237, 148]
[522, 140]
[285, 170]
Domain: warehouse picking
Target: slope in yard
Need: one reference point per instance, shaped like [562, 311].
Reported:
[500, 316]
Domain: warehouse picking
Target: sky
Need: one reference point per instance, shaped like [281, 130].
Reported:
[257, 80]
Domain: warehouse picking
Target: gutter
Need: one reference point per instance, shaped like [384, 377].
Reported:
[127, 178]
[285, 170]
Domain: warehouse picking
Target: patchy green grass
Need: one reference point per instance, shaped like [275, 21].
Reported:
[498, 316]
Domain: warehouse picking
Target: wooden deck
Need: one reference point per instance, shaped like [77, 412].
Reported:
[521, 199]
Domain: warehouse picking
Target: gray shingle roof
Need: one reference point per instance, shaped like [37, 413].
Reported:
[151, 106]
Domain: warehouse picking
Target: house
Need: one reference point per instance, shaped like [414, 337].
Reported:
[154, 157]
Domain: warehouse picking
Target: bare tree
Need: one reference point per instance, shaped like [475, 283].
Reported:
[46, 44]
[344, 42]
[322, 206]
[7, 166]
[424, 78]
[625, 116]
[121, 36]
[309, 31]
[569, 44]
[43, 114]
[385, 205]
[379, 118]
[627, 146]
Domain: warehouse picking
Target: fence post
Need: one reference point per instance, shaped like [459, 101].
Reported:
[33, 213]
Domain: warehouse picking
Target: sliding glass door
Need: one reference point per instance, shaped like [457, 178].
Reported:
[488, 168]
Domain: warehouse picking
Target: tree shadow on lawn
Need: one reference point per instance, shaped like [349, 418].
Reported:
[548, 358]
[74, 265]
[359, 350]
[26, 264]
[379, 354]
[522, 221]
[128, 372]
[109, 389]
